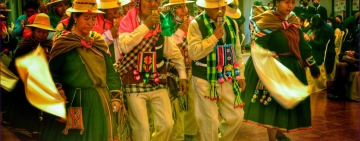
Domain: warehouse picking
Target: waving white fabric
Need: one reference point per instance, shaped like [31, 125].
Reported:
[281, 82]
[40, 89]
[8, 79]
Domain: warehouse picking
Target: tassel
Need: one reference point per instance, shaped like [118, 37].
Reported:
[82, 132]
[65, 131]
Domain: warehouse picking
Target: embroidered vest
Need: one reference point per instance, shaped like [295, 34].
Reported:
[199, 67]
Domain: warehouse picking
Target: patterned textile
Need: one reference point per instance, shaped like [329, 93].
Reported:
[129, 62]
[212, 63]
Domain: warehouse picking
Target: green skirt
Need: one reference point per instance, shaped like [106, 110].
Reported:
[96, 124]
[274, 115]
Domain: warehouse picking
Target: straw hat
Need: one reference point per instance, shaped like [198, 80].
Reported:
[53, 1]
[212, 3]
[125, 2]
[233, 12]
[3, 7]
[68, 13]
[108, 4]
[174, 2]
[82, 6]
[41, 21]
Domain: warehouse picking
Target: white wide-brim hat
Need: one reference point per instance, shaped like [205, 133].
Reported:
[212, 3]
[83, 6]
[53, 1]
[125, 2]
[174, 2]
[234, 13]
[108, 4]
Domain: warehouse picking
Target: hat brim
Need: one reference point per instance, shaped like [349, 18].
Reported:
[169, 4]
[41, 27]
[53, 2]
[84, 11]
[204, 4]
[123, 4]
[108, 5]
[6, 10]
[235, 15]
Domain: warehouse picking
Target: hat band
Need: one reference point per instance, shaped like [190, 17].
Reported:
[84, 6]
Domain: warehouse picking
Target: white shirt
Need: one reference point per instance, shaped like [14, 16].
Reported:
[127, 41]
[200, 48]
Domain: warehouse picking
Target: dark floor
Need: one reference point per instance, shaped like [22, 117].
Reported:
[331, 120]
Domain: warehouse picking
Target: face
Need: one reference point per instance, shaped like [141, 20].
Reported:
[30, 11]
[44, 9]
[5, 14]
[181, 11]
[316, 3]
[85, 22]
[127, 7]
[305, 2]
[213, 12]
[40, 35]
[285, 6]
[271, 5]
[61, 8]
[338, 19]
[147, 6]
[112, 13]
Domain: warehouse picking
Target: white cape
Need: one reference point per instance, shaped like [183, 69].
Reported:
[40, 89]
[281, 82]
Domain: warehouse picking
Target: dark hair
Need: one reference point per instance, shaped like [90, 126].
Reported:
[339, 16]
[31, 4]
[317, 22]
[72, 21]
[333, 22]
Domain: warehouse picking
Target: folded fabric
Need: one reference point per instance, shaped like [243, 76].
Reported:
[40, 89]
[8, 79]
[281, 82]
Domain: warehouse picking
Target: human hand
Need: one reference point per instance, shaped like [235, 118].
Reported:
[306, 37]
[114, 30]
[242, 84]
[315, 71]
[116, 106]
[152, 20]
[185, 25]
[183, 87]
[219, 31]
[62, 94]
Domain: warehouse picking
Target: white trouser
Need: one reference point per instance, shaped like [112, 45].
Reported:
[187, 126]
[207, 114]
[161, 109]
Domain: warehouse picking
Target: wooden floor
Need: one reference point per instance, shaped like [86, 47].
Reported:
[331, 121]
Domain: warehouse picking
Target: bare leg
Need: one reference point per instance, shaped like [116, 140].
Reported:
[272, 134]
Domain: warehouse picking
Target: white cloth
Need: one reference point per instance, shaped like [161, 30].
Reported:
[207, 112]
[281, 82]
[40, 89]
[127, 41]
[200, 48]
[109, 40]
[159, 103]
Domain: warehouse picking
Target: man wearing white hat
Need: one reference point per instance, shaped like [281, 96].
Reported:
[175, 24]
[126, 5]
[218, 71]
[108, 25]
[143, 70]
